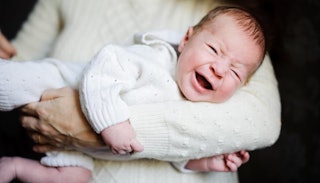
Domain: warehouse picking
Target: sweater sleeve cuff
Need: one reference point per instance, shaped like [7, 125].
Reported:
[180, 166]
[101, 117]
[152, 131]
[67, 158]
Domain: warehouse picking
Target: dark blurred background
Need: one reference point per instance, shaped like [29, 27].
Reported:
[293, 28]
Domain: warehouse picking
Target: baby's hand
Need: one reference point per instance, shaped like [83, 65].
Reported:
[121, 138]
[235, 160]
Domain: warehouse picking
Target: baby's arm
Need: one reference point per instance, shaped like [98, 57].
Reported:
[121, 138]
[106, 78]
[220, 163]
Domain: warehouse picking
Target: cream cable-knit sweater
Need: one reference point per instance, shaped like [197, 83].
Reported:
[76, 29]
[114, 79]
[118, 77]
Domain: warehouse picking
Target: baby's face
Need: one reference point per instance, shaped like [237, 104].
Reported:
[216, 60]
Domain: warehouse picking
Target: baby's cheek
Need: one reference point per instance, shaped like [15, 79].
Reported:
[227, 93]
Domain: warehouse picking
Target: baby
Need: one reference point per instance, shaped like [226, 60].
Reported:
[208, 64]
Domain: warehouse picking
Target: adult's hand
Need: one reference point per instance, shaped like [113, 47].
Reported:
[57, 122]
[6, 49]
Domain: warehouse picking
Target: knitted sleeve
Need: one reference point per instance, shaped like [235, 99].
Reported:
[104, 80]
[24, 82]
[185, 130]
[38, 33]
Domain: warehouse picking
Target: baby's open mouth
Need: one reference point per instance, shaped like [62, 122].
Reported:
[203, 82]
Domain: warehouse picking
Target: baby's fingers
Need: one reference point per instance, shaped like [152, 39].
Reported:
[136, 146]
[245, 156]
[234, 161]
[232, 166]
[117, 152]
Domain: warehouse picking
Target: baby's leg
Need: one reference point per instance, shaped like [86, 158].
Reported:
[24, 82]
[27, 170]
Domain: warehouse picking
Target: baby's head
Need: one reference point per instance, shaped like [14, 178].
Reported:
[219, 54]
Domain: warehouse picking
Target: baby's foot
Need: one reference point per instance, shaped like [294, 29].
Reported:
[7, 169]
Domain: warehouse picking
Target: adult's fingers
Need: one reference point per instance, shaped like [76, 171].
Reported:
[34, 108]
[38, 138]
[4, 54]
[55, 93]
[29, 122]
[44, 148]
[6, 49]
[33, 124]
[44, 144]
[30, 109]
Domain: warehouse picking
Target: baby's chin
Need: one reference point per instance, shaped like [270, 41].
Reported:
[203, 99]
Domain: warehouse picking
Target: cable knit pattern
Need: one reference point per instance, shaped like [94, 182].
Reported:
[121, 76]
[75, 30]
[244, 125]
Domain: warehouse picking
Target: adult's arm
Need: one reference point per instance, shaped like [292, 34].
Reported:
[38, 33]
[185, 130]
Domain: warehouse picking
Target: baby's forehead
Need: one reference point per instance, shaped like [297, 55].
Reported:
[246, 22]
[220, 22]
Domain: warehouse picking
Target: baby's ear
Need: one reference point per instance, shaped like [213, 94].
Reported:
[185, 39]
